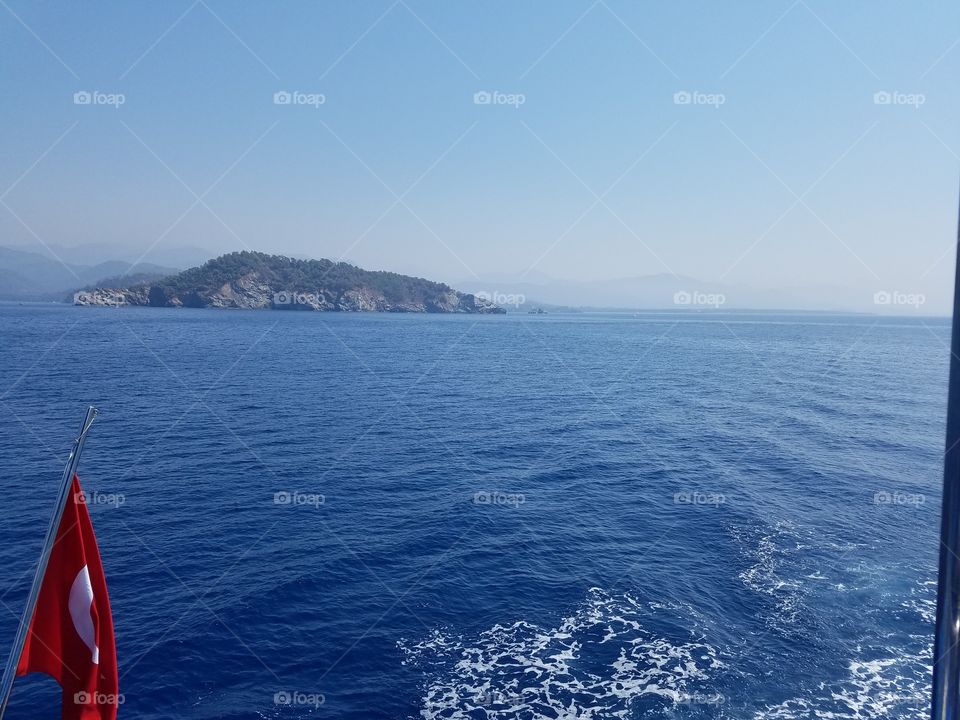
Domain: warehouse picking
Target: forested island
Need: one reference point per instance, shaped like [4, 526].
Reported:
[258, 281]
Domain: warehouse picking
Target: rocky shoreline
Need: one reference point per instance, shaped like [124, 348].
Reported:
[251, 292]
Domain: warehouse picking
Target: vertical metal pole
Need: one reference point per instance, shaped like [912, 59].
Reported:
[946, 646]
[10, 672]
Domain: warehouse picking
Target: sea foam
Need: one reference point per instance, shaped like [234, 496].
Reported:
[601, 661]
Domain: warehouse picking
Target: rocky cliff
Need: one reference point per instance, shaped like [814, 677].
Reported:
[258, 281]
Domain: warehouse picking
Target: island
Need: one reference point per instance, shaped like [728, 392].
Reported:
[258, 281]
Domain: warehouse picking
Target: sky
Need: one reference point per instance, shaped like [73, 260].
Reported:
[773, 144]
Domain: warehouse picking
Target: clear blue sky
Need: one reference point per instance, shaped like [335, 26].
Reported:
[704, 190]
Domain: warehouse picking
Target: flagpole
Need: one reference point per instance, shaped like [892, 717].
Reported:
[10, 671]
[946, 647]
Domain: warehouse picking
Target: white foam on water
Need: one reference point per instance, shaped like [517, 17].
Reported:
[923, 600]
[596, 663]
[768, 554]
[890, 687]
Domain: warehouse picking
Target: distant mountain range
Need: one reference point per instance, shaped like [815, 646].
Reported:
[100, 252]
[55, 273]
[679, 292]
[257, 281]
[33, 276]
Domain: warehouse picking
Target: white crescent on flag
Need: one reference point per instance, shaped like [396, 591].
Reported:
[80, 603]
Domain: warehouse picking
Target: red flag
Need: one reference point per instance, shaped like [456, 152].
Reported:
[71, 632]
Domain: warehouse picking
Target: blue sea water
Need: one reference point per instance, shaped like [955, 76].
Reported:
[563, 516]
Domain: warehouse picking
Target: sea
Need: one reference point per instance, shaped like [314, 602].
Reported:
[653, 515]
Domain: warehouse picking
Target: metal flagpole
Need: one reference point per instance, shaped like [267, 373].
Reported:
[946, 646]
[10, 672]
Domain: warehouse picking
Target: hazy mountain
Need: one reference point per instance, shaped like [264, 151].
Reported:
[678, 292]
[97, 253]
[645, 292]
[32, 276]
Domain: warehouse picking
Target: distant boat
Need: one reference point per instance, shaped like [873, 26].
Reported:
[538, 311]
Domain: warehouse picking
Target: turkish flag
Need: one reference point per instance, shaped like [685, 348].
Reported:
[71, 632]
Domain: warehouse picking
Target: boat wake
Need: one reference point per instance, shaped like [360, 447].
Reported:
[887, 687]
[768, 554]
[923, 600]
[602, 661]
